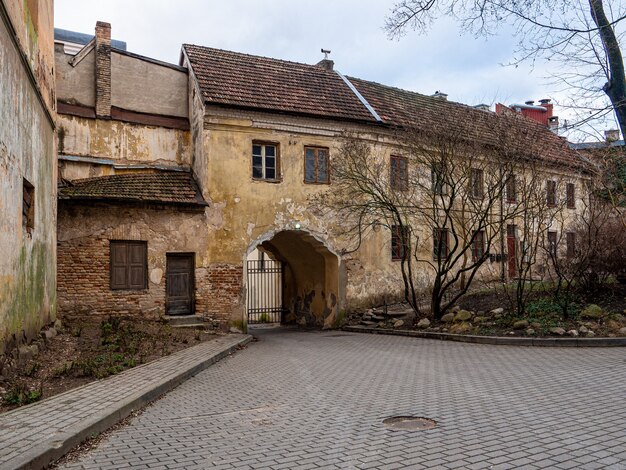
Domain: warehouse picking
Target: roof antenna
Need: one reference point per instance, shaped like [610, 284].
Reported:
[325, 52]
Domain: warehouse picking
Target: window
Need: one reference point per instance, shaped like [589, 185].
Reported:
[316, 165]
[571, 196]
[440, 244]
[476, 183]
[571, 244]
[28, 205]
[399, 243]
[511, 189]
[478, 245]
[399, 174]
[264, 161]
[437, 180]
[551, 193]
[129, 265]
[552, 243]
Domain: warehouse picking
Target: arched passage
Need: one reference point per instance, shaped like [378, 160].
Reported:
[310, 284]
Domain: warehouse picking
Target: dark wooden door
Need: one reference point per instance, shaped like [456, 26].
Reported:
[511, 247]
[179, 284]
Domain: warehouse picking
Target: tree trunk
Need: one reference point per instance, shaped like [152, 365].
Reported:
[615, 87]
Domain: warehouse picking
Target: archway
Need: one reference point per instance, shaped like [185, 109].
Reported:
[310, 293]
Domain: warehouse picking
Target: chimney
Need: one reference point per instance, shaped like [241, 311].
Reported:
[611, 135]
[326, 64]
[546, 103]
[483, 107]
[439, 94]
[103, 70]
[553, 124]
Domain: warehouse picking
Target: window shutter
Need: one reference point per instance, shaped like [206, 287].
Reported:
[119, 261]
[137, 266]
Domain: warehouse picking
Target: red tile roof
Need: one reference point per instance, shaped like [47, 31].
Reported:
[163, 187]
[236, 79]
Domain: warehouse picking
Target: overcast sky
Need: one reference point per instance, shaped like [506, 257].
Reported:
[468, 69]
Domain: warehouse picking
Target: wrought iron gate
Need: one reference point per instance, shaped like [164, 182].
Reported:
[265, 291]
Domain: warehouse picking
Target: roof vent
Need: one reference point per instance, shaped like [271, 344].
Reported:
[326, 63]
[483, 107]
[529, 102]
[544, 101]
[440, 94]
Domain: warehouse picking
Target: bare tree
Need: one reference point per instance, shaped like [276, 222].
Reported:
[581, 35]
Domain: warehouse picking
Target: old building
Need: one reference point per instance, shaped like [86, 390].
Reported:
[187, 188]
[27, 171]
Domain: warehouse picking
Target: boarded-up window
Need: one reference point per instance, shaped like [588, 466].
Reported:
[316, 165]
[552, 243]
[28, 206]
[478, 245]
[399, 242]
[129, 265]
[571, 196]
[399, 174]
[440, 244]
[511, 189]
[476, 183]
[551, 193]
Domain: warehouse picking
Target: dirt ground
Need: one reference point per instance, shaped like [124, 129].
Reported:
[91, 348]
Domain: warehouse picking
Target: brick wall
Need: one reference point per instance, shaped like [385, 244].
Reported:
[83, 283]
[218, 291]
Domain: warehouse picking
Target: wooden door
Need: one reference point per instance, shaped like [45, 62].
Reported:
[511, 248]
[179, 284]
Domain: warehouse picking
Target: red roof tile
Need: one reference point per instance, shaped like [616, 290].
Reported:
[164, 187]
[236, 79]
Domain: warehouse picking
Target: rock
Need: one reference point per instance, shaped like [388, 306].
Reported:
[622, 331]
[590, 334]
[558, 331]
[25, 353]
[377, 318]
[583, 330]
[398, 323]
[423, 323]
[462, 316]
[461, 328]
[367, 317]
[530, 331]
[58, 325]
[592, 312]
[34, 349]
[613, 325]
[49, 333]
[511, 333]
[481, 320]
[573, 333]
[455, 309]
[497, 311]
[618, 317]
[381, 324]
[520, 325]
[535, 325]
[448, 318]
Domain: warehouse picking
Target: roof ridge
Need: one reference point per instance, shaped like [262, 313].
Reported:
[255, 56]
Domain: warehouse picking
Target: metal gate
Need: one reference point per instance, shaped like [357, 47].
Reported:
[265, 291]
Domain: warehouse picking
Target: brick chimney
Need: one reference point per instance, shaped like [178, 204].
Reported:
[103, 70]
[546, 103]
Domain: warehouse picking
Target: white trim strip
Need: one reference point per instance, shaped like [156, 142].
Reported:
[360, 96]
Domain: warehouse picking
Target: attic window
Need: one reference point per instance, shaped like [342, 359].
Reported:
[28, 206]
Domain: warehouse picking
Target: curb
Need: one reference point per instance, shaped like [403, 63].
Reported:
[49, 450]
[498, 340]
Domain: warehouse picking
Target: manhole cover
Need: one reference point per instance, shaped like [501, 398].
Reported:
[409, 423]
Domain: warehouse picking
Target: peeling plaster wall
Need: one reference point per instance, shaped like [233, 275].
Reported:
[27, 150]
[123, 142]
[75, 83]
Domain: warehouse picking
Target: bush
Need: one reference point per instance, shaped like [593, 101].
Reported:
[21, 394]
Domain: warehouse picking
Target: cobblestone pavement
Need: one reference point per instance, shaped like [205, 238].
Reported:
[317, 400]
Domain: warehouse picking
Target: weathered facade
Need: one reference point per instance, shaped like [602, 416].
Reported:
[256, 137]
[27, 171]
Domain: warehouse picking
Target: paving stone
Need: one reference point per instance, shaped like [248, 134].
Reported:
[314, 400]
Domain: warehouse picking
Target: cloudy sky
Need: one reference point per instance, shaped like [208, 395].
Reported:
[469, 69]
